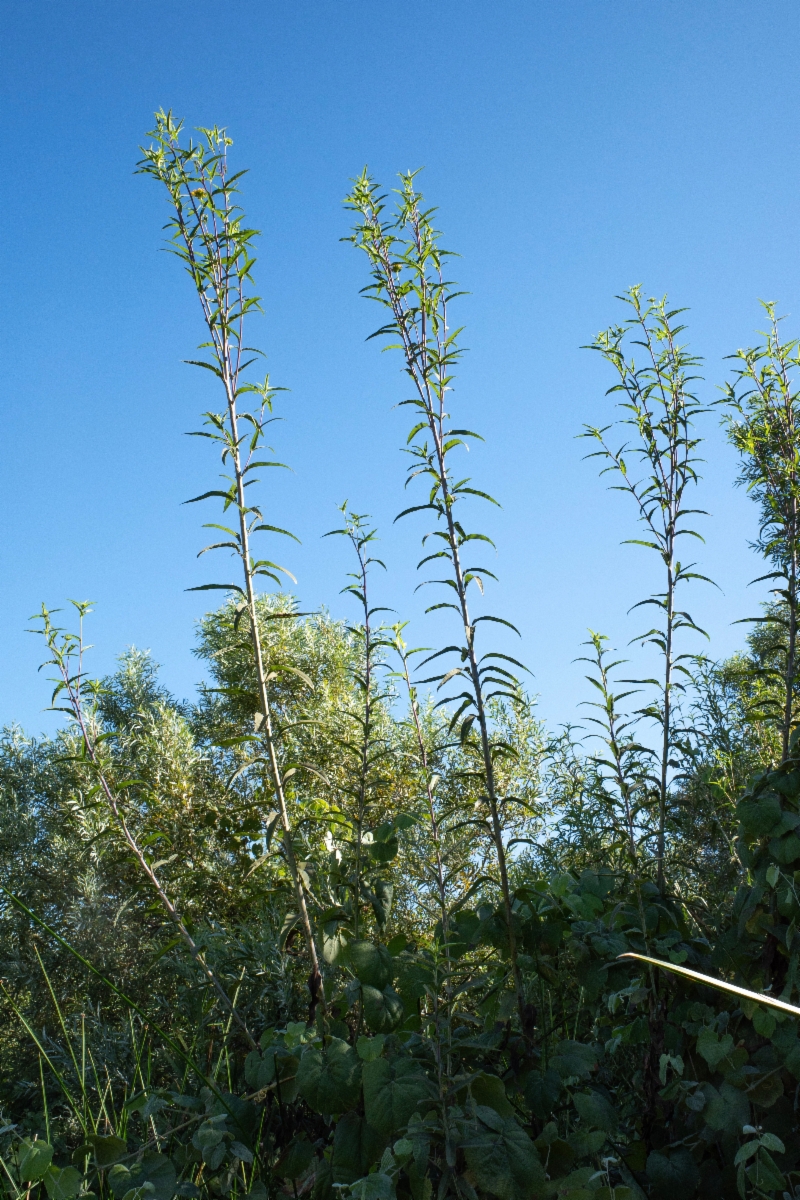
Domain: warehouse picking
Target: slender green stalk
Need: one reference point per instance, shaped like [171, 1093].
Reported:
[443, 996]
[623, 761]
[661, 410]
[407, 271]
[404, 654]
[217, 252]
[368, 750]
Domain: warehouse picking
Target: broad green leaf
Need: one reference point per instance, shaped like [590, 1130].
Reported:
[370, 1048]
[62, 1183]
[383, 1010]
[259, 1070]
[329, 1079]
[334, 943]
[155, 1169]
[673, 1175]
[240, 1151]
[542, 1090]
[573, 1060]
[384, 851]
[382, 897]
[765, 1174]
[323, 1182]
[586, 1142]
[490, 1091]
[371, 963]
[393, 1090]
[107, 1149]
[712, 1047]
[764, 1022]
[356, 1146]
[726, 1110]
[34, 1159]
[759, 815]
[502, 1158]
[377, 1186]
[296, 1158]
[746, 1152]
[595, 1111]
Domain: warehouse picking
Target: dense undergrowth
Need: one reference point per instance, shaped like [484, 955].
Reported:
[352, 922]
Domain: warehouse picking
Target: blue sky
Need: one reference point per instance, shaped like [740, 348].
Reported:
[572, 149]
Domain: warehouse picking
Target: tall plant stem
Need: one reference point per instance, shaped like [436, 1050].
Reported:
[625, 753]
[792, 649]
[443, 1062]
[366, 720]
[230, 375]
[217, 253]
[661, 410]
[370, 748]
[667, 711]
[441, 887]
[429, 351]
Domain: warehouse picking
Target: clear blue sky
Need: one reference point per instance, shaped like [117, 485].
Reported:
[572, 148]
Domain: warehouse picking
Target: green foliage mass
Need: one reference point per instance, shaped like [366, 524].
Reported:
[355, 921]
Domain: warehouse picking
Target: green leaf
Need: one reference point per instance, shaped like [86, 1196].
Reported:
[765, 1174]
[259, 1072]
[370, 1048]
[542, 1091]
[502, 1158]
[766, 1091]
[381, 900]
[573, 1060]
[377, 1186]
[489, 1091]
[296, 1158]
[384, 851]
[62, 1183]
[759, 816]
[372, 964]
[34, 1159]
[383, 1010]
[595, 1111]
[672, 1176]
[746, 1152]
[155, 1169]
[587, 1142]
[727, 1110]
[107, 1149]
[764, 1022]
[356, 1146]
[329, 1079]
[712, 1047]
[323, 1183]
[334, 943]
[393, 1090]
